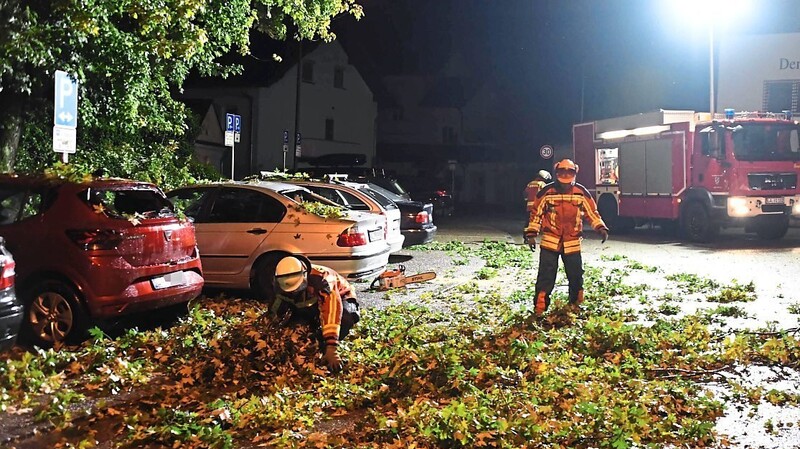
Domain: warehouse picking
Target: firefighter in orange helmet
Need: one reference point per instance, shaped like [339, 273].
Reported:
[319, 296]
[558, 214]
[542, 178]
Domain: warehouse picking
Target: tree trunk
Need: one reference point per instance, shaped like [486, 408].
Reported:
[10, 129]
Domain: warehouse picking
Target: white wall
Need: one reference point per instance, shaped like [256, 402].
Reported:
[352, 109]
[745, 62]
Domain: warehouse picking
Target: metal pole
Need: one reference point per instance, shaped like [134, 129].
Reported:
[232, 176]
[711, 68]
[297, 102]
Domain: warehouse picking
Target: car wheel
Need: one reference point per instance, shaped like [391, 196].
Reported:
[53, 315]
[263, 276]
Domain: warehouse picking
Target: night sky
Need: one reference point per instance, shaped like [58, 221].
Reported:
[626, 56]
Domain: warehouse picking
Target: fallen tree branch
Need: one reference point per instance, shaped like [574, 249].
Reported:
[680, 372]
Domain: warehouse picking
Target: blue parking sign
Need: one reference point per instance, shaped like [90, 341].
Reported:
[65, 112]
[229, 122]
[237, 123]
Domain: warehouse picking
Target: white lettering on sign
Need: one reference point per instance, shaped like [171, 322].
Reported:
[787, 64]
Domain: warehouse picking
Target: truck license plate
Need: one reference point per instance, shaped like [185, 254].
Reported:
[168, 280]
[774, 200]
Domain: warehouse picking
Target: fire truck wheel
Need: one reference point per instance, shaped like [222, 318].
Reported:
[772, 229]
[697, 224]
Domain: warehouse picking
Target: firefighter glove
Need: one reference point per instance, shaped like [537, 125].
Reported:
[604, 233]
[332, 359]
[530, 238]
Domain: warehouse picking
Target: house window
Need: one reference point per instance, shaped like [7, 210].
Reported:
[329, 129]
[308, 71]
[338, 78]
[448, 134]
[397, 114]
[781, 95]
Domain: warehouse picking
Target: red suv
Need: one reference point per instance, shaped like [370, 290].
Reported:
[94, 249]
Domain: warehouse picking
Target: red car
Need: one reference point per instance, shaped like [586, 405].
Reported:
[92, 250]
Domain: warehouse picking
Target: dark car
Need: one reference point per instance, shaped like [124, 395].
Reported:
[10, 308]
[432, 191]
[416, 217]
[95, 249]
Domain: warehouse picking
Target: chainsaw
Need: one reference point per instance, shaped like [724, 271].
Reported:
[397, 278]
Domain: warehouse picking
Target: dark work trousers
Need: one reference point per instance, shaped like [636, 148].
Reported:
[548, 268]
[310, 317]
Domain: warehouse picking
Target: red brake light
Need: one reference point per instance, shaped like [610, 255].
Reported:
[95, 239]
[7, 275]
[351, 237]
[422, 217]
[441, 193]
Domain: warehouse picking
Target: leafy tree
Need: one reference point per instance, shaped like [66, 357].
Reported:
[130, 57]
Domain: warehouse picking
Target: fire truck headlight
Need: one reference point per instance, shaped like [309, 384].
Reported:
[796, 209]
[738, 206]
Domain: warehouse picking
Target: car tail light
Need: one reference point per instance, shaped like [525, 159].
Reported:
[7, 275]
[95, 239]
[441, 192]
[352, 237]
[422, 217]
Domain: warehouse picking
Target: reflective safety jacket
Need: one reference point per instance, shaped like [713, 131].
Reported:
[327, 289]
[558, 217]
[531, 190]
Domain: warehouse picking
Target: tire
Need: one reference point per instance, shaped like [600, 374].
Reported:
[773, 229]
[263, 276]
[697, 224]
[53, 314]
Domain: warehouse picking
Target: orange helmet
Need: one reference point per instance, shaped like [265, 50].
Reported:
[566, 171]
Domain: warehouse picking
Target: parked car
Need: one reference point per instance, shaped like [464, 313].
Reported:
[416, 218]
[120, 249]
[429, 190]
[245, 228]
[356, 197]
[10, 307]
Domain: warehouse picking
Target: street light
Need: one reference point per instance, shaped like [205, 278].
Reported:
[712, 14]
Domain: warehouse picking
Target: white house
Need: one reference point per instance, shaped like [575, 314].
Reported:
[336, 113]
[759, 73]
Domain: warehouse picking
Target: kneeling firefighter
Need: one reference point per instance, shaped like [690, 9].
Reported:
[319, 296]
[558, 213]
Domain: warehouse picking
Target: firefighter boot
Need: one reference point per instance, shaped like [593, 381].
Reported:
[575, 305]
[541, 303]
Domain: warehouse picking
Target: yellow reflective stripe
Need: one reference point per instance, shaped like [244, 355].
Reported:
[330, 331]
[571, 243]
[572, 250]
[550, 245]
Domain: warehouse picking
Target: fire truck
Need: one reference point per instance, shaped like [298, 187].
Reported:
[689, 171]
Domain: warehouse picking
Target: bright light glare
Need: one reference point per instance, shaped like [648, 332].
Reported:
[796, 209]
[737, 201]
[702, 13]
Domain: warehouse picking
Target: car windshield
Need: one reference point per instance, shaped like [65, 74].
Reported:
[125, 202]
[766, 142]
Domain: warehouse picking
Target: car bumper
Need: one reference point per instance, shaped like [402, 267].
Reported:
[419, 236]
[143, 295]
[396, 244]
[10, 318]
[355, 267]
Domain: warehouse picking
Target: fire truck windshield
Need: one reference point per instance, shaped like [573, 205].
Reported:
[766, 142]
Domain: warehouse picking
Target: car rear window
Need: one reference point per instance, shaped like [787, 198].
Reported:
[387, 193]
[381, 199]
[303, 195]
[126, 202]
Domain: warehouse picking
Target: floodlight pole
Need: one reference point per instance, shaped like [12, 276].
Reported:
[711, 68]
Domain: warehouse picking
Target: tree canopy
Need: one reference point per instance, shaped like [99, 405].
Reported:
[131, 58]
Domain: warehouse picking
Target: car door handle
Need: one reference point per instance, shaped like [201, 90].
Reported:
[257, 231]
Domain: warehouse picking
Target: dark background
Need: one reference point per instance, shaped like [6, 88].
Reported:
[566, 59]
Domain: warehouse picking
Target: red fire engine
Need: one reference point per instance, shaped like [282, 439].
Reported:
[684, 170]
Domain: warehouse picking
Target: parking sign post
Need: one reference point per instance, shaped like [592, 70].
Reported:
[65, 115]
[233, 129]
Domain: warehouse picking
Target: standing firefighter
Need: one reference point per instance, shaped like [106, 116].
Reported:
[558, 214]
[319, 296]
[533, 187]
